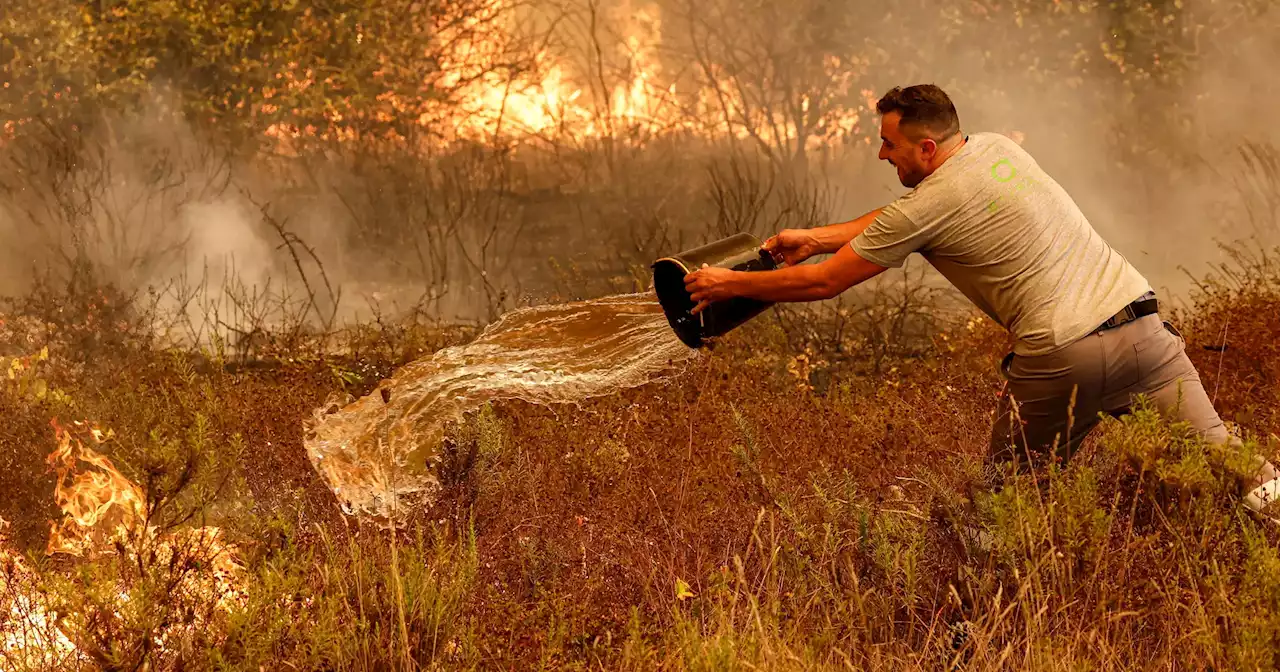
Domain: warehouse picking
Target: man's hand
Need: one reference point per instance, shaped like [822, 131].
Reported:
[793, 245]
[707, 284]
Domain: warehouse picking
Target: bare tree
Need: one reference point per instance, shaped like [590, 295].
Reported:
[778, 74]
[107, 202]
[754, 196]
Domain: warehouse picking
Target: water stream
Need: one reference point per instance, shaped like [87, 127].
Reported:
[380, 453]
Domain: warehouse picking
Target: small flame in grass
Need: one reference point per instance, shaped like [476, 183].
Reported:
[101, 505]
[105, 510]
[104, 513]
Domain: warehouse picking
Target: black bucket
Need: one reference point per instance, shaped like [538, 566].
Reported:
[740, 252]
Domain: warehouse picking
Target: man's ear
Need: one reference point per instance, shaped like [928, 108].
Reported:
[928, 147]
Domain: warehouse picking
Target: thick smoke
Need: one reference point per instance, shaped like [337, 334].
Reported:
[149, 203]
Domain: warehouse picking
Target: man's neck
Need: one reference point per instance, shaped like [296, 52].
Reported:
[952, 146]
[947, 150]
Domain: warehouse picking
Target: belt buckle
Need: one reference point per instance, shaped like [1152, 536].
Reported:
[1116, 320]
[1127, 314]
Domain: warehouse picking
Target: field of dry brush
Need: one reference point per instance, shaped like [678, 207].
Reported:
[759, 511]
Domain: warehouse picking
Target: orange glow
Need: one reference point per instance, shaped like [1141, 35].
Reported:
[101, 505]
[104, 513]
[478, 100]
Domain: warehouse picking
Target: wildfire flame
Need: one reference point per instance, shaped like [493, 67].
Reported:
[101, 505]
[104, 509]
[486, 103]
[104, 513]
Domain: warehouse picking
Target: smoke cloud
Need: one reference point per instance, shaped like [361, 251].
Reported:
[149, 203]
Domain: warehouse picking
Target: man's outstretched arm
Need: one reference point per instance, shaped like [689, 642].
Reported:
[794, 246]
[808, 282]
[834, 236]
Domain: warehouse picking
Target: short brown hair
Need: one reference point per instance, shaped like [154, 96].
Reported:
[925, 108]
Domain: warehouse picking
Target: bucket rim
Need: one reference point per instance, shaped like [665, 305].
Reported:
[674, 260]
[702, 317]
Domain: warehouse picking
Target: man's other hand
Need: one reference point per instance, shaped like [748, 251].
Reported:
[708, 284]
[792, 245]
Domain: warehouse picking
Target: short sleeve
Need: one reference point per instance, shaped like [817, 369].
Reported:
[890, 239]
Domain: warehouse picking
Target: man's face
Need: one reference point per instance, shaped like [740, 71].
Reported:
[910, 158]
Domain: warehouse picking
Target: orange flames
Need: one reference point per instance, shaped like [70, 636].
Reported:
[101, 505]
[627, 101]
[104, 513]
[484, 102]
[635, 104]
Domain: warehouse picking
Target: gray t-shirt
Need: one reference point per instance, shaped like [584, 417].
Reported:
[991, 221]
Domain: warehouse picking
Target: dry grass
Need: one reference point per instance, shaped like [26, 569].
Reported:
[740, 518]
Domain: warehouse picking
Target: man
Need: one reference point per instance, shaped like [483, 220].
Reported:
[989, 219]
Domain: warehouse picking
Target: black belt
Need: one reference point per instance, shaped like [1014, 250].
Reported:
[1147, 304]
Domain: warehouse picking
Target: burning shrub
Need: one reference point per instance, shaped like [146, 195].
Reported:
[149, 589]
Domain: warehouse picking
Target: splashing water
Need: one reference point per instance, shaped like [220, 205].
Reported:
[380, 454]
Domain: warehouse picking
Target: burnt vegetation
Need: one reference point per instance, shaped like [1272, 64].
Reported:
[215, 215]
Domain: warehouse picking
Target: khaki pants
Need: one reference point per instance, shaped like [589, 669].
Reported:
[1103, 371]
